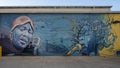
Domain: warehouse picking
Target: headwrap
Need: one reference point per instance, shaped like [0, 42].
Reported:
[22, 20]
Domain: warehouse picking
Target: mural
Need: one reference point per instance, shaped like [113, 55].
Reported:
[59, 34]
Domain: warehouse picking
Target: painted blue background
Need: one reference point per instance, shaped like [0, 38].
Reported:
[59, 33]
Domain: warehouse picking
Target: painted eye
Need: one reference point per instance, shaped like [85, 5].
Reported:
[22, 28]
[30, 31]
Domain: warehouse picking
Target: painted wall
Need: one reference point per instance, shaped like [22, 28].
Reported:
[60, 34]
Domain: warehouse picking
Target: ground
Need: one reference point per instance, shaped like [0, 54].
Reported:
[59, 62]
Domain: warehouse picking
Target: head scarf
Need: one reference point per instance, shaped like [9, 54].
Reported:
[22, 20]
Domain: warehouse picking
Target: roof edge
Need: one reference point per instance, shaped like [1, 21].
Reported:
[55, 6]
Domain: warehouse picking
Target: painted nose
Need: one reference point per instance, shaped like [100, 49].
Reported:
[26, 33]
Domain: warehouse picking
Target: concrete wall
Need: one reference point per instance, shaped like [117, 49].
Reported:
[60, 34]
[59, 30]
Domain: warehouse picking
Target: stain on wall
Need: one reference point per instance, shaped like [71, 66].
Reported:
[58, 34]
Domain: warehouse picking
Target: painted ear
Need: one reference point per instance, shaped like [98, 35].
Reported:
[10, 35]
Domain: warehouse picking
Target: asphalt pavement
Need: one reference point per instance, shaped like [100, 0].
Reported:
[59, 62]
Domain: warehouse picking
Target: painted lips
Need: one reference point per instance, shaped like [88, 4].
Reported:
[23, 41]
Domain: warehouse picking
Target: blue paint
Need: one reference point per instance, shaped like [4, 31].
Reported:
[59, 33]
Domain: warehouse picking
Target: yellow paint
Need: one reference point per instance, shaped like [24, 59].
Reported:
[116, 31]
[111, 50]
[77, 46]
[107, 51]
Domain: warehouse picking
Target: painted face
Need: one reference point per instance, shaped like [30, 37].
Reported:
[22, 35]
[86, 38]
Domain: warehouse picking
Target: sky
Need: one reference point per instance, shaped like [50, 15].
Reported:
[114, 3]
